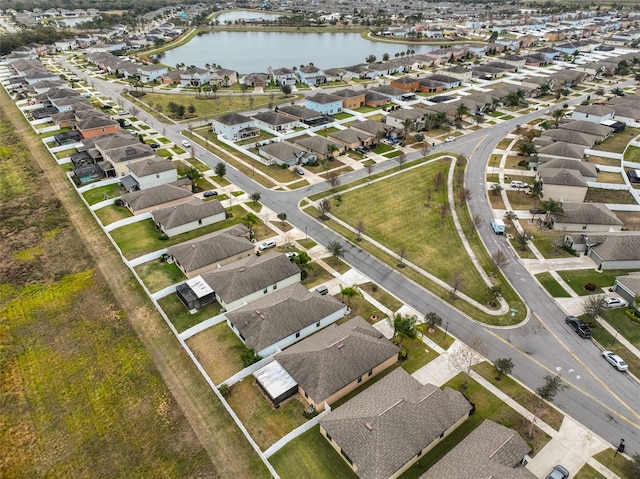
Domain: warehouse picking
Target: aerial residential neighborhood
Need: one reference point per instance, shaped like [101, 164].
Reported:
[320, 240]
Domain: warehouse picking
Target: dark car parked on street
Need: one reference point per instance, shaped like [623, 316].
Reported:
[578, 326]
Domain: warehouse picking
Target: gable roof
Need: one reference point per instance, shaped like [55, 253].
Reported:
[562, 177]
[490, 451]
[248, 275]
[386, 425]
[316, 144]
[275, 316]
[587, 127]
[155, 196]
[350, 136]
[129, 152]
[329, 360]
[189, 212]
[567, 136]
[372, 127]
[95, 121]
[151, 167]
[621, 246]
[560, 148]
[586, 213]
[585, 169]
[212, 248]
[283, 150]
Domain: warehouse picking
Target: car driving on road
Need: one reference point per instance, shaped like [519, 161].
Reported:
[615, 360]
[578, 326]
[449, 139]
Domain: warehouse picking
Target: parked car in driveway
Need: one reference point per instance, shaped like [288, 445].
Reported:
[519, 184]
[614, 302]
[210, 193]
[154, 145]
[615, 360]
[559, 472]
[292, 255]
[578, 326]
[299, 170]
[265, 245]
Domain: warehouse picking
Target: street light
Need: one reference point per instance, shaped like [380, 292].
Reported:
[615, 336]
[446, 328]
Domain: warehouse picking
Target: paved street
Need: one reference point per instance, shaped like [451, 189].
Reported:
[601, 399]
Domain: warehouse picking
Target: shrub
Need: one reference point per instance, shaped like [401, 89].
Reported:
[224, 390]
[590, 287]
[249, 357]
[163, 237]
[632, 315]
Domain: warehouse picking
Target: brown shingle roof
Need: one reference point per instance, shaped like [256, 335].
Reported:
[155, 196]
[586, 214]
[184, 213]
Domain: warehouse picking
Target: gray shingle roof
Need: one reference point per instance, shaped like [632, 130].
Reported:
[184, 213]
[385, 426]
[586, 214]
[585, 169]
[212, 248]
[324, 98]
[587, 127]
[560, 148]
[490, 451]
[622, 246]
[283, 150]
[568, 136]
[372, 127]
[96, 121]
[233, 119]
[248, 275]
[267, 320]
[151, 167]
[316, 144]
[562, 176]
[273, 118]
[155, 196]
[350, 136]
[129, 152]
[329, 360]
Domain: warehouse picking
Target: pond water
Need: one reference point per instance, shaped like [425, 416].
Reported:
[249, 52]
[73, 21]
[246, 15]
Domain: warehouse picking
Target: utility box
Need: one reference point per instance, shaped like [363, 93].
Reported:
[497, 226]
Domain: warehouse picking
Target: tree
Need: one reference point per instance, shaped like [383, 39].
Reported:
[456, 282]
[527, 149]
[350, 292]
[195, 175]
[220, 169]
[369, 168]
[493, 295]
[547, 392]
[476, 222]
[496, 188]
[433, 320]
[282, 217]
[466, 356]
[500, 259]
[444, 212]
[461, 111]
[427, 197]
[286, 90]
[385, 57]
[401, 159]
[503, 366]
[594, 306]
[552, 207]
[250, 220]
[404, 327]
[324, 206]
[438, 180]
[402, 251]
[522, 240]
[464, 195]
[510, 217]
[335, 249]
[370, 59]
[303, 260]
[333, 179]
[359, 229]
[255, 197]
[191, 109]
[557, 115]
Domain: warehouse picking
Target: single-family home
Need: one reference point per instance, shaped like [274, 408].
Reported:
[589, 128]
[585, 217]
[183, 217]
[336, 74]
[97, 125]
[149, 72]
[351, 138]
[449, 81]
[352, 99]
[212, 251]
[628, 286]
[328, 365]
[256, 80]
[223, 77]
[613, 250]
[386, 428]
[284, 153]
[461, 73]
[121, 157]
[283, 76]
[304, 115]
[406, 83]
[593, 113]
[560, 150]
[398, 118]
[318, 145]
[588, 171]
[376, 128]
[234, 126]
[152, 172]
[283, 317]
[490, 451]
[156, 197]
[389, 91]
[324, 103]
[311, 75]
[563, 185]
[275, 121]
[194, 77]
[375, 99]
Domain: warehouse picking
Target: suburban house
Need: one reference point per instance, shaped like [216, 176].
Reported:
[243, 281]
[256, 80]
[351, 99]
[304, 115]
[563, 185]
[318, 145]
[593, 113]
[223, 77]
[567, 136]
[120, 158]
[385, 429]
[283, 76]
[283, 317]
[588, 171]
[97, 125]
[585, 217]
[329, 364]
[284, 153]
[324, 103]
[628, 286]
[461, 73]
[375, 99]
[398, 118]
[375, 128]
[194, 77]
[212, 251]
[234, 126]
[389, 91]
[351, 138]
[311, 75]
[609, 250]
[148, 73]
[560, 150]
[157, 197]
[275, 121]
[490, 451]
[602, 132]
[188, 216]
[407, 83]
[149, 173]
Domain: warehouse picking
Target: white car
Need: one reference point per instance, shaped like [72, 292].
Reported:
[615, 360]
[186, 144]
[614, 302]
[519, 184]
[449, 139]
[291, 255]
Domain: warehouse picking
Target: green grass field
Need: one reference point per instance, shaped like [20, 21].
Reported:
[554, 288]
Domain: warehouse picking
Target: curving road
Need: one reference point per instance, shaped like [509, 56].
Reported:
[603, 400]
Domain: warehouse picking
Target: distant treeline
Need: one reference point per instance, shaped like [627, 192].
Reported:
[141, 5]
[40, 34]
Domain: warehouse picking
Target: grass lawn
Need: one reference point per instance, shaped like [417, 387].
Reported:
[618, 142]
[601, 160]
[382, 296]
[218, 350]
[601, 195]
[200, 166]
[519, 394]
[307, 243]
[393, 154]
[519, 200]
[112, 213]
[404, 195]
[157, 274]
[180, 316]
[632, 154]
[382, 148]
[619, 464]
[487, 407]
[96, 195]
[265, 423]
[578, 278]
[342, 116]
[337, 264]
[618, 319]
[588, 472]
[609, 177]
[497, 203]
[310, 455]
[361, 307]
[316, 275]
[418, 354]
[142, 237]
[544, 240]
[552, 286]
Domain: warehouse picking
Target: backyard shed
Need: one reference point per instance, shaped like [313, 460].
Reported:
[276, 382]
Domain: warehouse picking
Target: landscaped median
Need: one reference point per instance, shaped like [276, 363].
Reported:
[409, 213]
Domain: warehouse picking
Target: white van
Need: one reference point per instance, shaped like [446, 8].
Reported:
[265, 245]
